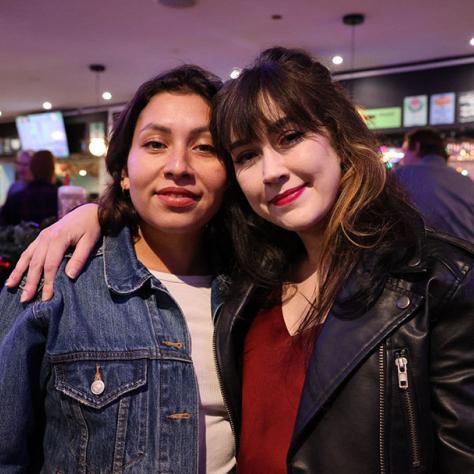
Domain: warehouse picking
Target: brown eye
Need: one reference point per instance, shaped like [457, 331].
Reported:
[206, 148]
[154, 145]
[290, 138]
[245, 157]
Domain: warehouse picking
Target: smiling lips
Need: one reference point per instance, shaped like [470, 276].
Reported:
[288, 196]
[177, 197]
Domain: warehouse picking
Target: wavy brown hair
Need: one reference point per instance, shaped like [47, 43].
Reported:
[369, 214]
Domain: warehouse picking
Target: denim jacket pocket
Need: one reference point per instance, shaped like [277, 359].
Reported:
[105, 404]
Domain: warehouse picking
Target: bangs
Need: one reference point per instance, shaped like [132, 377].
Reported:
[248, 106]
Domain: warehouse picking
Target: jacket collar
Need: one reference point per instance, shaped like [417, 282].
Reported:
[416, 262]
[124, 274]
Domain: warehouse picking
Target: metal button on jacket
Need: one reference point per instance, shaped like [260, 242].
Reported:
[414, 262]
[403, 302]
[97, 387]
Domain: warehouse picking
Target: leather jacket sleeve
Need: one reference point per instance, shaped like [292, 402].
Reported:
[452, 379]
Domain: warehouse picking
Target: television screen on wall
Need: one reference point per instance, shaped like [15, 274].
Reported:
[43, 132]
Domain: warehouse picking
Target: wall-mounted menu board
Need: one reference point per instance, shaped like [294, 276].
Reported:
[442, 96]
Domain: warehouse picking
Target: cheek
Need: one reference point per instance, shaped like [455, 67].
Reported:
[249, 183]
[335, 181]
[138, 171]
[216, 181]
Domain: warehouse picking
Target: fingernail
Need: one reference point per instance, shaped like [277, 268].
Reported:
[7, 283]
[46, 293]
[45, 297]
[24, 297]
[71, 273]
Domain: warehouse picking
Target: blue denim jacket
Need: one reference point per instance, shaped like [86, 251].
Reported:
[99, 379]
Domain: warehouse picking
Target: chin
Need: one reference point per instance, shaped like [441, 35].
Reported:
[302, 227]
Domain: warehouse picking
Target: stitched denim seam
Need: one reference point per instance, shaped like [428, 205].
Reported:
[130, 355]
[120, 434]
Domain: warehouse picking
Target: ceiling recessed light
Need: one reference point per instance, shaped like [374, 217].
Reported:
[47, 106]
[82, 173]
[471, 42]
[178, 3]
[337, 60]
[235, 73]
[106, 95]
[0, 113]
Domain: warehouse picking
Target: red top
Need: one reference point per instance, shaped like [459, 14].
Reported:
[273, 376]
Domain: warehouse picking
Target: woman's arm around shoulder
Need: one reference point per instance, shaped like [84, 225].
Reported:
[44, 255]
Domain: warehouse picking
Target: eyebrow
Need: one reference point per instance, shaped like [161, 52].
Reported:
[271, 129]
[160, 128]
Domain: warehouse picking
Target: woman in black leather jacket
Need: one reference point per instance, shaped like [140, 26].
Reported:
[383, 309]
[346, 345]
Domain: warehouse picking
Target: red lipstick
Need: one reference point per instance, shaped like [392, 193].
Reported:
[288, 196]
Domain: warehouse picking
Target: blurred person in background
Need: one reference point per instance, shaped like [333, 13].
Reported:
[39, 199]
[22, 171]
[443, 196]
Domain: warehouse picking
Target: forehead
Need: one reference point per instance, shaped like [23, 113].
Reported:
[182, 110]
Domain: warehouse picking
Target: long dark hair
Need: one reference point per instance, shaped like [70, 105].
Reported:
[370, 212]
[116, 210]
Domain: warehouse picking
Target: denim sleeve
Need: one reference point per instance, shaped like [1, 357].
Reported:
[22, 345]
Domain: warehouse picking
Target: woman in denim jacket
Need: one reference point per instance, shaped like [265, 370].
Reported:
[346, 345]
[115, 373]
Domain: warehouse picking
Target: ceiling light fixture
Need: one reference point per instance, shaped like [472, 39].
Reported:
[353, 20]
[235, 73]
[178, 3]
[471, 42]
[97, 145]
[337, 60]
[47, 105]
[106, 95]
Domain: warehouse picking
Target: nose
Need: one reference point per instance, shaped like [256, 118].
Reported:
[177, 164]
[274, 169]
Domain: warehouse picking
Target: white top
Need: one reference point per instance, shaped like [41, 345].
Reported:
[193, 295]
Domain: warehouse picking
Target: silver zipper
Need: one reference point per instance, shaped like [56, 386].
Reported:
[382, 408]
[221, 386]
[402, 369]
[401, 361]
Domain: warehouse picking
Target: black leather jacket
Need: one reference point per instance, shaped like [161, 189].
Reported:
[392, 390]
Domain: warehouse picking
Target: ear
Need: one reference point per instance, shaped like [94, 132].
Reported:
[125, 182]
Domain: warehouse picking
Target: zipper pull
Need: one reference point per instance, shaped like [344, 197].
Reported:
[401, 363]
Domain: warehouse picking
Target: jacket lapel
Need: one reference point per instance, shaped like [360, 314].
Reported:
[342, 345]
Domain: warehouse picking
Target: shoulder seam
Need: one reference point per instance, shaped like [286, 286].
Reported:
[450, 239]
